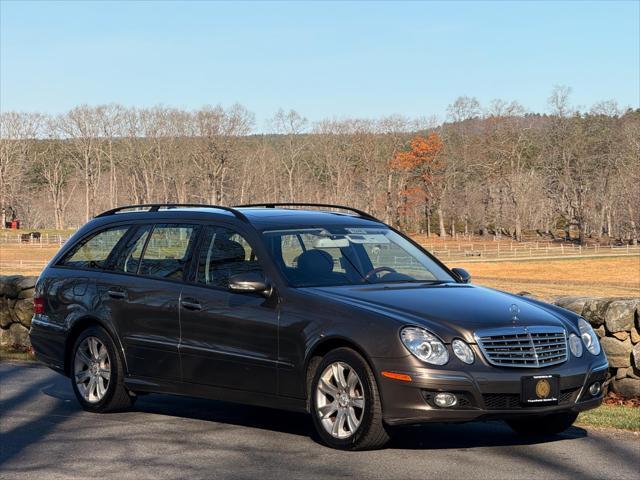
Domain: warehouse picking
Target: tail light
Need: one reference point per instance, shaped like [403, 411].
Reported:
[38, 305]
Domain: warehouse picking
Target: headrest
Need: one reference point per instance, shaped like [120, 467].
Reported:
[227, 250]
[315, 262]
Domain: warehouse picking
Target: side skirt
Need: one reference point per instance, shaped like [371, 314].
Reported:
[152, 385]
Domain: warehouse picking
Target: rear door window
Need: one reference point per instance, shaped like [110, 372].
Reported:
[128, 260]
[167, 252]
[93, 252]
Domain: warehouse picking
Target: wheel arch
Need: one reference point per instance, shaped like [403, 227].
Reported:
[322, 348]
[79, 326]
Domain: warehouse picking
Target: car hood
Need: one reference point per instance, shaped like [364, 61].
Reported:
[448, 310]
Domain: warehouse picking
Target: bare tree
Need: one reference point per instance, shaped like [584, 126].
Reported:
[464, 108]
[293, 126]
[216, 131]
[81, 131]
[54, 171]
[17, 132]
[505, 171]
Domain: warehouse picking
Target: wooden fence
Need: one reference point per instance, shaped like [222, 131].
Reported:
[447, 251]
[46, 239]
[532, 251]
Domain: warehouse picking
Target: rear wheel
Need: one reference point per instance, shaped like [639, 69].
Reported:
[543, 424]
[97, 373]
[345, 403]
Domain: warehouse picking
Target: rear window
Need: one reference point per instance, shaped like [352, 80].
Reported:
[93, 252]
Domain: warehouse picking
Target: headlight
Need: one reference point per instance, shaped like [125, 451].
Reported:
[589, 337]
[575, 344]
[424, 345]
[462, 351]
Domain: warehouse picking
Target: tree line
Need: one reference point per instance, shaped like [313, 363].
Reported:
[497, 169]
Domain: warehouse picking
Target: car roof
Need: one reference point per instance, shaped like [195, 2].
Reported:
[262, 218]
[267, 218]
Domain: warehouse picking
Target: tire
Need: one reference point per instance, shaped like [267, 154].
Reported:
[367, 430]
[93, 355]
[544, 424]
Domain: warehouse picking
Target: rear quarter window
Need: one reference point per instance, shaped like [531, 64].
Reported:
[92, 252]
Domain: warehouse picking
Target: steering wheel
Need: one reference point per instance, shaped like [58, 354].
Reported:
[377, 270]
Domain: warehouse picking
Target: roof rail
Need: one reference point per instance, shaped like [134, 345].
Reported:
[154, 207]
[360, 213]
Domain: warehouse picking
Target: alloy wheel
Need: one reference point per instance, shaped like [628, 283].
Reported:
[340, 400]
[92, 369]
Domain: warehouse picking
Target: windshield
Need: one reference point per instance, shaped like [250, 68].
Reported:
[350, 256]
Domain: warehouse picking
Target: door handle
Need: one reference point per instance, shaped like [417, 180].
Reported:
[190, 304]
[116, 293]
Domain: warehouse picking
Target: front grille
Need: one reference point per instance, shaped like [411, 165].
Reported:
[501, 401]
[511, 401]
[526, 347]
[566, 396]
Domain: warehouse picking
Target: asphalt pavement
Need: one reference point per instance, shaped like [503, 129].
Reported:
[45, 435]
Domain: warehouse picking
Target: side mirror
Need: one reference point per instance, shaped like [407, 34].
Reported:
[462, 274]
[249, 282]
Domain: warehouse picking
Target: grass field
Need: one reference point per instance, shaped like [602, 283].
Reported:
[23, 259]
[544, 278]
[611, 416]
[612, 276]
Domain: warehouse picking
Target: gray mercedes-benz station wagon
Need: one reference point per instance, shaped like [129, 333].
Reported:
[313, 308]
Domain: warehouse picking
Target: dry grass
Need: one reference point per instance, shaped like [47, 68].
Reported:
[7, 353]
[614, 276]
[34, 257]
[35, 252]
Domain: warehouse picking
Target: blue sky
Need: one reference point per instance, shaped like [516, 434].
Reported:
[360, 59]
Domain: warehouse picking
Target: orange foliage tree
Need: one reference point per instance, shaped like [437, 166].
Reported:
[422, 169]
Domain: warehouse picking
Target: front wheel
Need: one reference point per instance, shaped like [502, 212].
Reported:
[97, 373]
[543, 424]
[345, 402]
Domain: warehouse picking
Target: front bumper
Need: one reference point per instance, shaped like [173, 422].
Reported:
[485, 393]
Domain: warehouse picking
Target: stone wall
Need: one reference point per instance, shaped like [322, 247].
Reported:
[16, 310]
[615, 320]
[617, 323]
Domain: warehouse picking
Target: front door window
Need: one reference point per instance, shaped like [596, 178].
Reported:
[224, 253]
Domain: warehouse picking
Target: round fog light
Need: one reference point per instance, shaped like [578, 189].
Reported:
[445, 400]
[595, 389]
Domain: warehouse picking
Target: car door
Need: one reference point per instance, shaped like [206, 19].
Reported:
[228, 339]
[142, 293]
